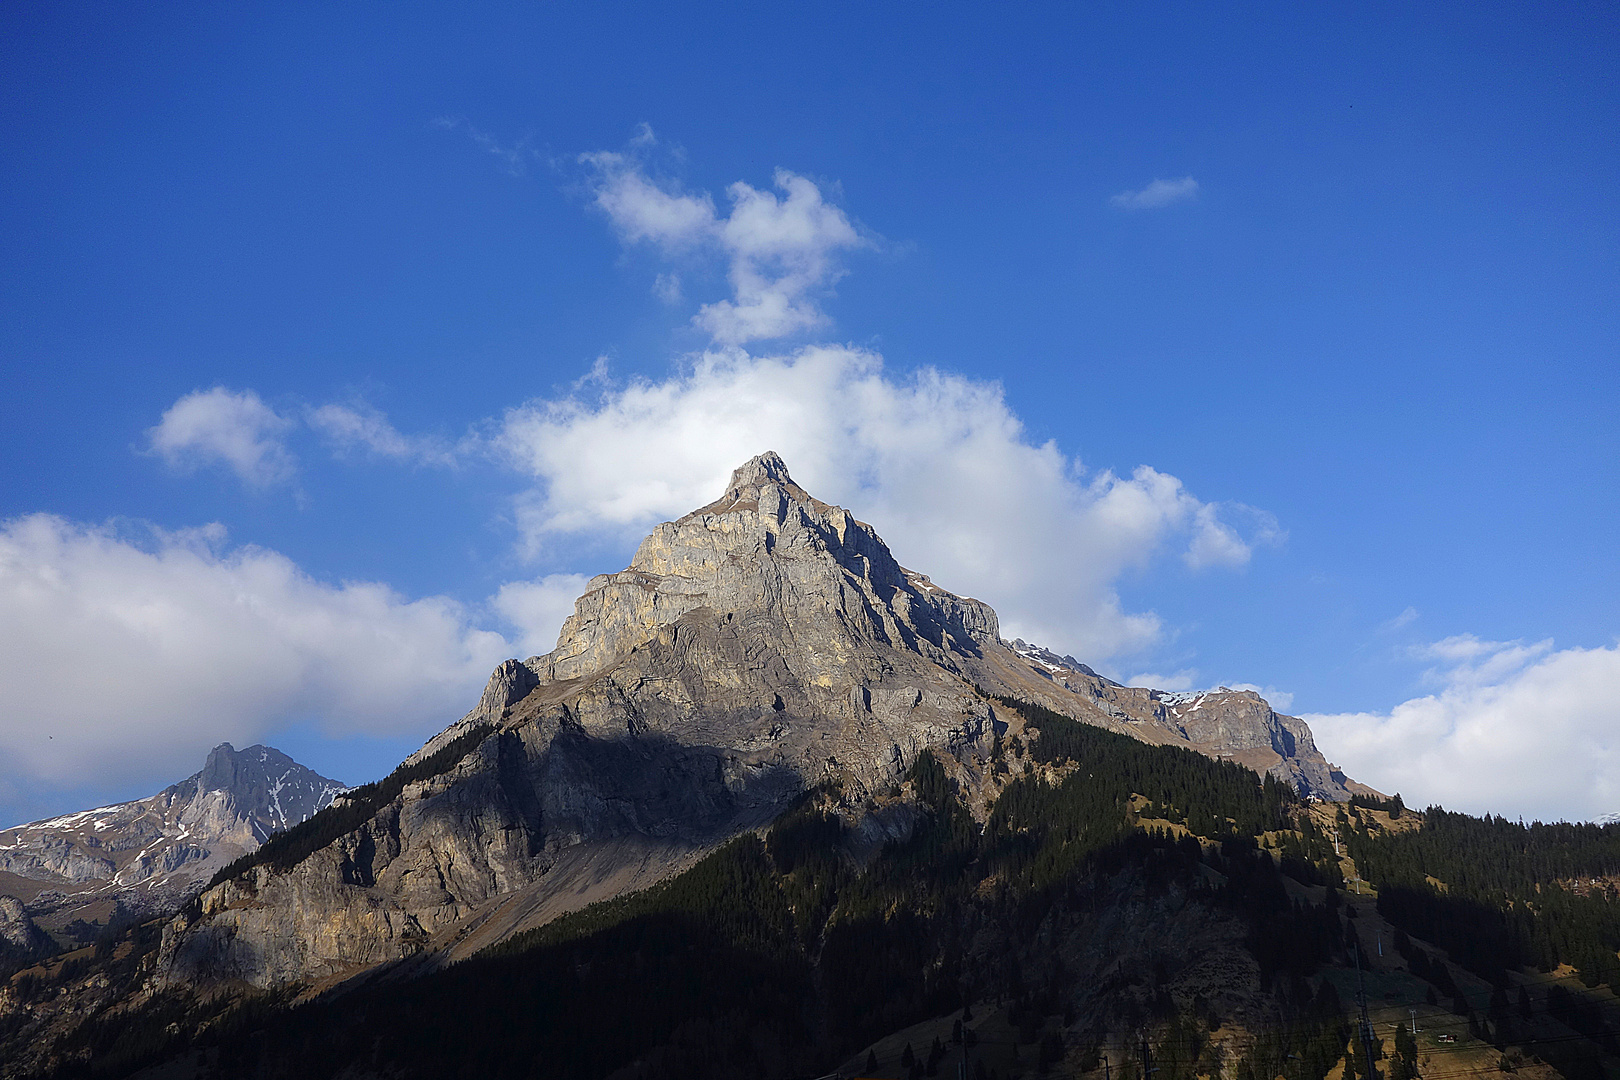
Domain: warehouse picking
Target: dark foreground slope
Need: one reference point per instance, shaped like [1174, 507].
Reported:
[780, 956]
[1116, 893]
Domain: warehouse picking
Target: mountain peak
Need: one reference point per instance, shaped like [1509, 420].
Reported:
[753, 649]
[765, 547]
[763, 467]
[219, 771]
[148, 855]
[750, 482]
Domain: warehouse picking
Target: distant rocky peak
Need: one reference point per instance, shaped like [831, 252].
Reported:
[228, 769]
[1052, 661]
[254, 792]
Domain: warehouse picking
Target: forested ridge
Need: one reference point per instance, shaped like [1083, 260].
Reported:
[1500, 894]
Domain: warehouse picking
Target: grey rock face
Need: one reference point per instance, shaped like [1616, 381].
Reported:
[755, 647]
[152, 853]
[20, 939]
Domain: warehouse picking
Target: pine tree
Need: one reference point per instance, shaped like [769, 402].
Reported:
[1405, 1066]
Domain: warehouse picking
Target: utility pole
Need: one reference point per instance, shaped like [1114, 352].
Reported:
[1366, 1022]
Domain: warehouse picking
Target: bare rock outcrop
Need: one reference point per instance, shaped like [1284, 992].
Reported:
[20, 940]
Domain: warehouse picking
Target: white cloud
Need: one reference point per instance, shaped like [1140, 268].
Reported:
[937, 462]
[1214, 542]
[124, 661]
[645, 211]
[781, 258]
[780, 251]
[1157, 194]
[238, 430]
[348, 427]
[1185, 679]
[1512, 729]
[1404, 619]
[1280, 700]
[220, 426]
[537, 609]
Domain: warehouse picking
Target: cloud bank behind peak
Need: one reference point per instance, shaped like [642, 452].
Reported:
[937, 462]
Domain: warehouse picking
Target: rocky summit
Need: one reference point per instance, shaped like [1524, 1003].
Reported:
[148, 856]
[759, 646]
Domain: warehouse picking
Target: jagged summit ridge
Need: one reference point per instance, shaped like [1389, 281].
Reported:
[767, 547]
[749, 482]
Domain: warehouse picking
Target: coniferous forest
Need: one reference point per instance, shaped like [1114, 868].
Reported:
[1513, 895]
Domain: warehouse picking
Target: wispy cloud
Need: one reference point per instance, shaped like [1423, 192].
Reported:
[1157, 194]
[780, 247]
[515, 157]
[1404, 619]
[351, 427]
[234, 429]
[667, 287]
[1185, 679]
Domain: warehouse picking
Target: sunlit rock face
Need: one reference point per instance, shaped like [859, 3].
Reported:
[760, 645]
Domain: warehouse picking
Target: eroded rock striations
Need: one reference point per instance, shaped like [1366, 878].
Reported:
[755, 647]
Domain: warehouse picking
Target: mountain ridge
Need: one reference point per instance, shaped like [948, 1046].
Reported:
[759, 646]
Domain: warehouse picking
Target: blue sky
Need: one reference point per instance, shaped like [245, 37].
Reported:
[1274, 348]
